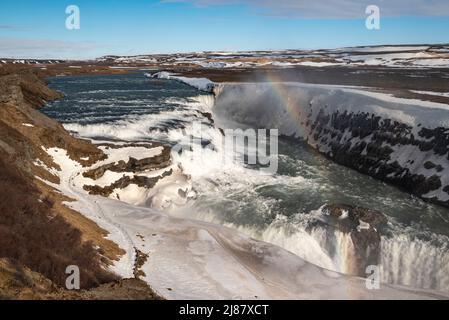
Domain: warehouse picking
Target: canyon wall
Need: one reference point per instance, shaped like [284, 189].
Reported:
[400, 141]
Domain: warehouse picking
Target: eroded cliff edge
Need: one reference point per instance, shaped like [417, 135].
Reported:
[401, 141]
[39, 235]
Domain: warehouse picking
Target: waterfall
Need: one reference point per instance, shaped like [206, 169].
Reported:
[415, 263]
[403, 261]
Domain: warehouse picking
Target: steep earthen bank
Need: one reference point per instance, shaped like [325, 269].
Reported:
[20, 282]
[38, 233]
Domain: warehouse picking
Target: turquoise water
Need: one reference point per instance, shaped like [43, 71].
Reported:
[278, 208]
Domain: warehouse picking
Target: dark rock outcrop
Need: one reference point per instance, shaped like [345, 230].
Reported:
[141, 181]
[157, 162]
[366, 142]
[362, 225]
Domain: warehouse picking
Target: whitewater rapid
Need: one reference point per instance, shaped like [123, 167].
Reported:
[280, 209]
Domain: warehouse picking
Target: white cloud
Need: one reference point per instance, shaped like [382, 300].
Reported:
[8, 27]
[334, 8]
[43, 48]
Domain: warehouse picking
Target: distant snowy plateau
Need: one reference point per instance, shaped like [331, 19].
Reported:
[435, 56]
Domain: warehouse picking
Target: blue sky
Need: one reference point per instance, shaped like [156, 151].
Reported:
[36, 29]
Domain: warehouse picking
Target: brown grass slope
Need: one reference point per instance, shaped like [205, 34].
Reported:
[37, 232]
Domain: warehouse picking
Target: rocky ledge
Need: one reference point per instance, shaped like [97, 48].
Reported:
[132, 167]
[159, 161]
[363, 226]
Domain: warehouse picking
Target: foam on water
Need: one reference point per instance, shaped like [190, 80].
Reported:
[281, 208]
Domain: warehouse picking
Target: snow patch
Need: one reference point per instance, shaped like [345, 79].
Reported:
[201, 84]
[198, 260]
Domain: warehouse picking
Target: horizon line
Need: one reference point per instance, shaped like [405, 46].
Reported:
[230, 51]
